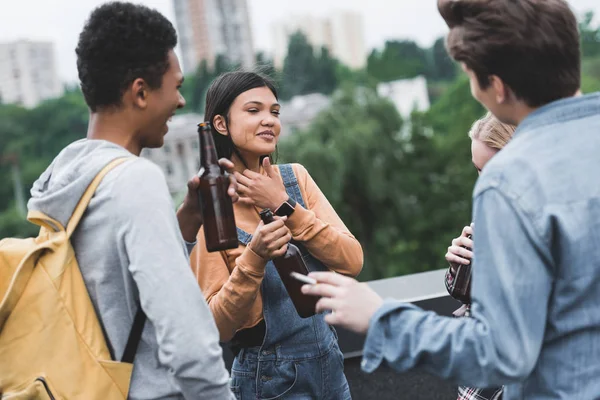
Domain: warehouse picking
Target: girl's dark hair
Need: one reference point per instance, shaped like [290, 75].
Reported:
[219, 97]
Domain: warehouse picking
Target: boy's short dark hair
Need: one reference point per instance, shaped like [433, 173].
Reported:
[532, 45]
[121, 42]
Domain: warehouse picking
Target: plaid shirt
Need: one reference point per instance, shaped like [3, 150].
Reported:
[464, 392]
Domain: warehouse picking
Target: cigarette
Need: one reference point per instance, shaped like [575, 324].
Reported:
[303, 278]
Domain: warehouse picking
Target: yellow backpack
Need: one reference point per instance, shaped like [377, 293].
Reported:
[51, 343]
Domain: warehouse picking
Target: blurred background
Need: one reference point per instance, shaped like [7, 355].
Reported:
[372, 106]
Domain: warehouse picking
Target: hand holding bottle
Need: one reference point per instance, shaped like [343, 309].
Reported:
[459, 252]
[270, 241]
[189, 214]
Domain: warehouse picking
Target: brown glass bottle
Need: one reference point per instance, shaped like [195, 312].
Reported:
[292, 261]
[461, 286]
[217, 208]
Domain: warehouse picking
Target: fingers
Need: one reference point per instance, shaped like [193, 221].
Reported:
[268, 167]
[275, 243]
[333, 318]
[453, 258]
[280, 252]
[332, 278]
[275, 225]
[193, 183]
[281, 232]
[467, 230]
[243, 190]
[232, 190]
[277, 240]
[326, 304]
[242, 179]
[321, 289]
[233, 194]
[460, 252]
[251, 174]
[462, 241]
[227, 165]
[245, 200]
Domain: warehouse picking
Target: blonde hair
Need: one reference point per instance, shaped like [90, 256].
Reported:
[492, 132]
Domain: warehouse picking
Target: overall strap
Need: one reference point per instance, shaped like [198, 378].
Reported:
[291, 183]
[243, 237]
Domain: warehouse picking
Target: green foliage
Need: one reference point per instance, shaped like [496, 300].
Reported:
[398, 60]
[402, 188]
[590, 36]
[305, 72]
[440, 65]
[403, 192]
[13, 224]
[33, 138]
[195, 87]
[405, 59]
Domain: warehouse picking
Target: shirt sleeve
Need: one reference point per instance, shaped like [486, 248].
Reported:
[187, 337]
[321, 230]
[231, 295]
[501, 343]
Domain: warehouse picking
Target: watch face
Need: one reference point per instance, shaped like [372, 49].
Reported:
[284, 210]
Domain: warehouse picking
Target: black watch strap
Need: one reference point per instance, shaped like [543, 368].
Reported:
[286, 208]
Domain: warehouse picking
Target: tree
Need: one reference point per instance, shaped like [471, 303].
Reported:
[441, 66]
[398, 60]
[299, 67]
[351, 150]
[404, 195]
[590, 36]
[325, 73]
[304, 72]
[35, 137]
[195, 87]
[265, 66]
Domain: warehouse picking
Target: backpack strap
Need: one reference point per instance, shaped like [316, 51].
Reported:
[89, 193]
[24, 270]
[135, 335]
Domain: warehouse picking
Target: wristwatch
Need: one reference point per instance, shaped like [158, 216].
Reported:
[286, 208]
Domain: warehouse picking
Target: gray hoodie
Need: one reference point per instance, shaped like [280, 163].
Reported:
[130, 251]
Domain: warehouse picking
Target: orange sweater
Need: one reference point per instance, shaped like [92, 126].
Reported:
[230, 280]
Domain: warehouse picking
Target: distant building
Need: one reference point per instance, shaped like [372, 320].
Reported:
[28, 73]
[208, 28]
[342, 34]
[179, 158]
[406, 94]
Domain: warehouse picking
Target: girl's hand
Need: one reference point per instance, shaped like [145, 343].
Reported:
[270, 241]
[260, 190]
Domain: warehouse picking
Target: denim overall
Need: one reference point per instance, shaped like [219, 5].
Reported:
[299, 357]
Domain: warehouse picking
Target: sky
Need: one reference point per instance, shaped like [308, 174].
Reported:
[60, 21]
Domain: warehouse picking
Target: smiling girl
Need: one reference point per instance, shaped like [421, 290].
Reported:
[278, 353]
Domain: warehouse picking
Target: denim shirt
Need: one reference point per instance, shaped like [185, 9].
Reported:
[536, 275]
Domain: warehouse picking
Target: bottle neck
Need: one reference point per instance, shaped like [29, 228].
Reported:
[267, 217]
[208, 151]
